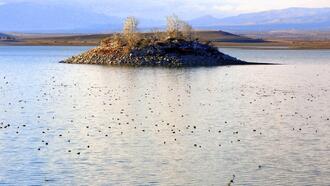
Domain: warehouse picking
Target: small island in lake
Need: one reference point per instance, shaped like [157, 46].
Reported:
[177, 47]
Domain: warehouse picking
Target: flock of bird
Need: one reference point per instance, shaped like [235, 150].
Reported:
[63, 113]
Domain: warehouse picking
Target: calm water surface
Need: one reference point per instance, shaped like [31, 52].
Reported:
[66, 124]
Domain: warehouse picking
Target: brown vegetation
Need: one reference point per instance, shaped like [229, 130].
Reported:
[131, 39]
[130, 32]
[176, 49]
[177, 28]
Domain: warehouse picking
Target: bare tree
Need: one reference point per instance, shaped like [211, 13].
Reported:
[173, 26]
[130, 31]
[177, 28]
[187, 30]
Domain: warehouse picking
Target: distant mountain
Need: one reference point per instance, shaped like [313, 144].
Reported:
[34, 17]
[5, 37]
[55, 18]
[286, 19]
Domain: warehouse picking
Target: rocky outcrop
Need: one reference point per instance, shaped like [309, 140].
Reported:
[168, 53]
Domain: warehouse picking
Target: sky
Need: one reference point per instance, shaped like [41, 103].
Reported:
[184, 8]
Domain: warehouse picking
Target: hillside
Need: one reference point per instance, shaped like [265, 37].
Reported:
[43, 17]
[286, 19]
[6, 37]
[221, 36]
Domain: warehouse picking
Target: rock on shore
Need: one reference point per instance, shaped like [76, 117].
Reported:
[168, 53]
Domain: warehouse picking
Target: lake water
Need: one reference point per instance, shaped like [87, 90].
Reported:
[64, 124]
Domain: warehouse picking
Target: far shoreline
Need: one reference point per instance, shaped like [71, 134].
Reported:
[245, 46]
[219, 39]
[242, 46]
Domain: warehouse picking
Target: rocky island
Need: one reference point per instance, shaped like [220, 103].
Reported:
[174, 48]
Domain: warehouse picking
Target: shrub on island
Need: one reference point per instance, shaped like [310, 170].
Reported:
[176, 47]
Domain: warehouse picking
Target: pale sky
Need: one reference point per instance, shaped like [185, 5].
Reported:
[184, 8]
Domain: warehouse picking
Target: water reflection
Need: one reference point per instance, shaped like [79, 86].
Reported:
[96, 125]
